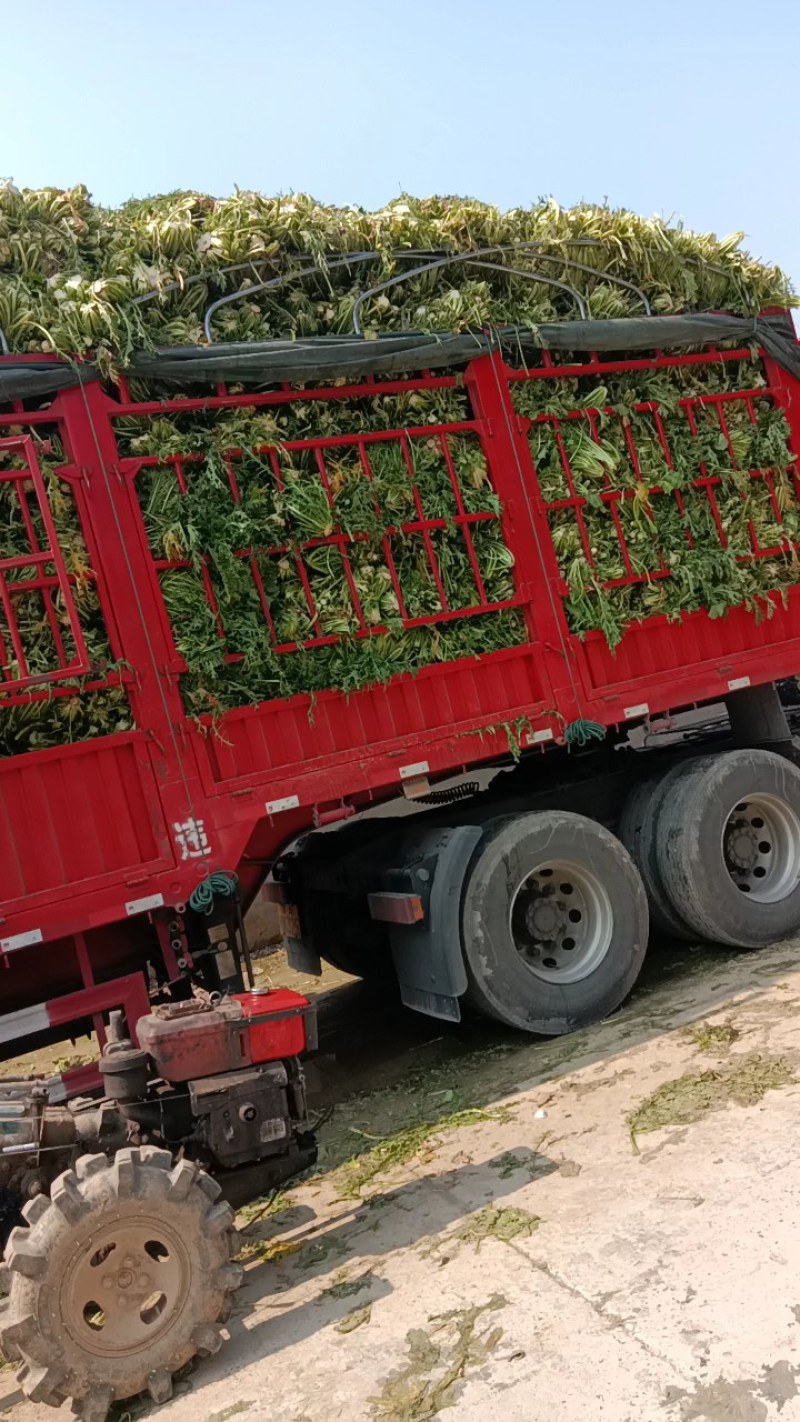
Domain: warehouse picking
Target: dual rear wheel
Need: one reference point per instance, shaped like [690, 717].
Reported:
[556, 910]
[717, 842]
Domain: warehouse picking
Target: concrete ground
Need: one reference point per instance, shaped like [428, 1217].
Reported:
[603, 1227]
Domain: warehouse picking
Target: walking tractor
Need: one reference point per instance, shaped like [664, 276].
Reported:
[125, 1267]
[444, 590]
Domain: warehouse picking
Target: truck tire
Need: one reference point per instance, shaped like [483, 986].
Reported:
[729, 847]
[119, 1279]
[638, 830]
[554, 922]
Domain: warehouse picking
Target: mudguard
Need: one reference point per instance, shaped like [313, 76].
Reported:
[427, 955]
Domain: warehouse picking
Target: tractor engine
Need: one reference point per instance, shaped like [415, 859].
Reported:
[215, 1082]
[230, 1089]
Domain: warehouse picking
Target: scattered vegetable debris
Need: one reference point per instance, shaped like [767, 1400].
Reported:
[500, 1222]
[398, 1149]
[690, 1097]
[713, 1037]
[356, 1319]
[437, 1362]
[344, 1286]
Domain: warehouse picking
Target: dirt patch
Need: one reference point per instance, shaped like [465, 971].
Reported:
[743, 1400]
[689, 1097]
[569, 1169]
[722, 1401]
[779, 1383]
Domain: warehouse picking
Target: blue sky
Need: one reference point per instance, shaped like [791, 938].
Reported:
[687, 109]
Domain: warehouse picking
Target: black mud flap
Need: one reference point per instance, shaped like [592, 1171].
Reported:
[427, 955]
[302, 958]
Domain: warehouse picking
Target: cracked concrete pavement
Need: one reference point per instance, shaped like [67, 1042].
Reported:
[658, 1286]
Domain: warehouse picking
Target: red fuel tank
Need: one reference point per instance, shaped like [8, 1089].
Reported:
[278, 1021]
[190, 1040]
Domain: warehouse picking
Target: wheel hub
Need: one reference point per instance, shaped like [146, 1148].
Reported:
[545, 917]
[561, 922]
[125, 1286]
[741, 845]
[761, 848]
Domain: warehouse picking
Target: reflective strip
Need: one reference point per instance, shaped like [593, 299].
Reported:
[144, 905]
[22, 1023]
[391, 907]
[536, 736]
[289, 802]
[410, 772]
[641, 710]
[20, 940]
[739, 683]
[76, 1081]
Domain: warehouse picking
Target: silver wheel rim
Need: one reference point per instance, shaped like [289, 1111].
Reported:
[561, 921]
[761, 848]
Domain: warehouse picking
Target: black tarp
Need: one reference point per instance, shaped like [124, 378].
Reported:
[324, 358]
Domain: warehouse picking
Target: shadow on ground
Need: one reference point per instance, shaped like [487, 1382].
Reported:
[383, 1069]
[422, 1210]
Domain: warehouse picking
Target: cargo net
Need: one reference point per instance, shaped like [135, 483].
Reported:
[57, 680]
[668, 489]
[328, 544]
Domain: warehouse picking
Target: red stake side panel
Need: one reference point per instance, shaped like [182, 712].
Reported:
[118, 826]
[437, 713]
[91, 810]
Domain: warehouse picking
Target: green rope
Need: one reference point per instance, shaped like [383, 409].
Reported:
[581, 733]
[219, 885]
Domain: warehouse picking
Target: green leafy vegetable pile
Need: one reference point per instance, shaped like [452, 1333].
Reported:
[42, 620]
[76, 278]
[699, 492]
[262, 548]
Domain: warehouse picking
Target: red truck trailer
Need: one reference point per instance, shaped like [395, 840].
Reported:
[103, 843]
[128, 860]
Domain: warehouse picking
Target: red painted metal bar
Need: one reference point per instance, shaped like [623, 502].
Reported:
[30, 474]
[87, 977]
[347, 539]
[129, 993]
[463, 520]
[386, 541]
[50, 611]
[12, 629]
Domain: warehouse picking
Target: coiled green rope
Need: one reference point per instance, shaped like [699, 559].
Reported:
[217, 886]
[581, 733]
